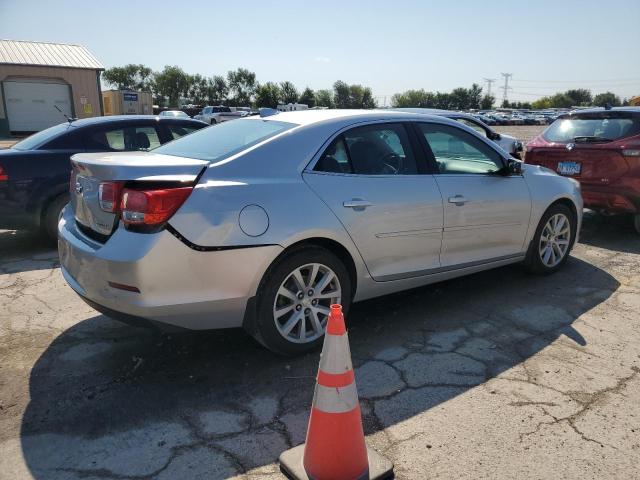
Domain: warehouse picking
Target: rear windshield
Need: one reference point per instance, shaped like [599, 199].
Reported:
[39, 138]
[220, 141]
[604, 126]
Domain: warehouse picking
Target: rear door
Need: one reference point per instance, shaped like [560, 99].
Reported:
[486, 213]
[374, 182]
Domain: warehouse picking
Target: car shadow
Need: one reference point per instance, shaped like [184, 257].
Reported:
[112, 400]
[610, 232]
[24, 251]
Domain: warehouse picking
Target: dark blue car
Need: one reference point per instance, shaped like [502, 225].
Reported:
[34, 173]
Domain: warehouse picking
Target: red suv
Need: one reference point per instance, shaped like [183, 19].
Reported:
[601, 149]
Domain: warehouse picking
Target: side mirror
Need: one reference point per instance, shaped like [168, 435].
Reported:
[496, 136]
[514, 167]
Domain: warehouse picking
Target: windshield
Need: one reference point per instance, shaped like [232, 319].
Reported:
[224, 140]
[39, 138]
[600, 126]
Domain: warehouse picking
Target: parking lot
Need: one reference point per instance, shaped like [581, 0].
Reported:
[496, 375]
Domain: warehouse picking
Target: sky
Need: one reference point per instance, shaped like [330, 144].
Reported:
[390, 46]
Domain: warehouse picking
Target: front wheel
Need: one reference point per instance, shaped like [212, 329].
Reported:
[552, 241]
[295, 297]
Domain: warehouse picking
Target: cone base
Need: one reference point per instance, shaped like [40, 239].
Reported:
[380, 468]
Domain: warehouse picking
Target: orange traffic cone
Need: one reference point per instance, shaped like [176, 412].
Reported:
[335, 447]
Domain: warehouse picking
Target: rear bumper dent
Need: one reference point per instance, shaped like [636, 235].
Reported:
[178, 286]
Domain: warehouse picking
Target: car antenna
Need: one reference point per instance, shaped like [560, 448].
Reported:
[69, 119]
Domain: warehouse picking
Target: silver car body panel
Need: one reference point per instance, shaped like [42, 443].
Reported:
[247, 209]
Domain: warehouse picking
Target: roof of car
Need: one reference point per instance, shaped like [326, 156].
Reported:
[118, 118]
[602, 109]
[308, 117]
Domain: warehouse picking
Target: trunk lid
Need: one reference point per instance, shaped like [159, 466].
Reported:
[590, 164]
[90, 169]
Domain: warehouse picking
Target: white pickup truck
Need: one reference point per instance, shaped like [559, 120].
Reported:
[217, 114]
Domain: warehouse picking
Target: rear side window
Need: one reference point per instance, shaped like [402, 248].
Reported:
[178, 131]
[594, 127]
[121, 139]
[380, 149]
[224, 140]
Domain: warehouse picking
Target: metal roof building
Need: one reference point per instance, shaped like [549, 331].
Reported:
[38, 78]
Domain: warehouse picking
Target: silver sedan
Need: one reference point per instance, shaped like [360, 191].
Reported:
[264, 222]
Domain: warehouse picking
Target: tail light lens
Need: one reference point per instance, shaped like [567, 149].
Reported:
[3, 174]
[151, 207]
[109, 196]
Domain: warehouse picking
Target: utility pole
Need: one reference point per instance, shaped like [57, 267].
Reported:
[506, 87]
[489, 83]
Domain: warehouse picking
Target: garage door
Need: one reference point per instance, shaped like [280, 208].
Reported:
[31, 105]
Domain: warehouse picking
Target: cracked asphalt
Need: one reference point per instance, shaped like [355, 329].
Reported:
[496, 375]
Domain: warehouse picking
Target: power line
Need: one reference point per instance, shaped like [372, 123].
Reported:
[635, 79]
[506, 87]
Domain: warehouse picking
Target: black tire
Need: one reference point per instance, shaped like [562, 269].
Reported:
[51, 216]
[213, 121]
[533, 261]
[266, 331]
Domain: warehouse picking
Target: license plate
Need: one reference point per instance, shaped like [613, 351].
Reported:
[569, 168]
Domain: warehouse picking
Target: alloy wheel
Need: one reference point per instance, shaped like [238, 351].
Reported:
[301, 305]
[554, 240]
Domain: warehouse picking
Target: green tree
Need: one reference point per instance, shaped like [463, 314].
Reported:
[459, 99]
[487, 102]
[198, 88]
[172, 83]
[475, 96]
[268, 95]
[242, 86]
[324, 98]
[579, 96]
[217, 90]
[308, 98]
[602, 99]
[413, 99]
[341, 94]
[129, 77]
[288, 92]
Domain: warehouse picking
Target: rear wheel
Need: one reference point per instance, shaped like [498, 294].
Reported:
[294, 300]
[552, 241]
[52, 215]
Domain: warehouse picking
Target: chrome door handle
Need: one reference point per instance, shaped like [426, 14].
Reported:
[459, 200]
[356, 204]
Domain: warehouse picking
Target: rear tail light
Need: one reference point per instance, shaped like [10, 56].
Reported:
[151, 207]
[109, 196]
[3, 174]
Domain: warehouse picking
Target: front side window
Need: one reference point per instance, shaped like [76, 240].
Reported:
[380, 149]
[457, 152]
[226, 139]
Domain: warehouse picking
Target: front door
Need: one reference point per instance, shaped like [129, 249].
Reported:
[486, 213]
[369, 177]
